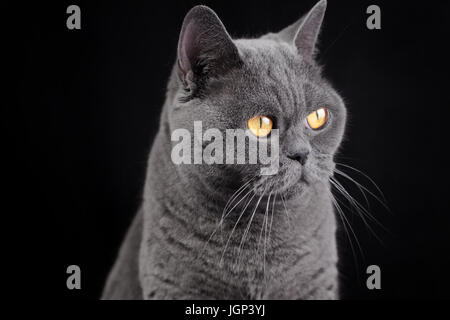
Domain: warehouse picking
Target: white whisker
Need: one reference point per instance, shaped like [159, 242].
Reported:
[244, 236]
[234, 227]
[286, 211]
[344, 222]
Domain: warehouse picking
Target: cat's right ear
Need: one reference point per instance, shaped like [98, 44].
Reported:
[303, 33]
[205, 48]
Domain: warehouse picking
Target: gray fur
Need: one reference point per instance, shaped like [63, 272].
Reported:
[223, 85]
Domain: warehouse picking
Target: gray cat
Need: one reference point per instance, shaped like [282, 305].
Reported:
[225, 231]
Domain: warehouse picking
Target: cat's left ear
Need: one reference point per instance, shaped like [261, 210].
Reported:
[305, 31]
[205, 48]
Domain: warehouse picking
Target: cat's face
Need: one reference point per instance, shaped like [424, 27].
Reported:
[224, 83]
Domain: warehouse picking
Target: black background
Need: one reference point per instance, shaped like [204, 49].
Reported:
[85, 107]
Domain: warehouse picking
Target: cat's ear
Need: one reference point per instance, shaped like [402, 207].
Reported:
[205, 48]
[305, 31]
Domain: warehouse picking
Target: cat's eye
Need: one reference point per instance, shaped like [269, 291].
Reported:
[317, 118]
[260, 126]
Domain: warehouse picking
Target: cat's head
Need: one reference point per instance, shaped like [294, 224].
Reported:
[223, 83]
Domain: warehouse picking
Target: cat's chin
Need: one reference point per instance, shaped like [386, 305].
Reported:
[293, 191]
[293, 181]
[289, 183]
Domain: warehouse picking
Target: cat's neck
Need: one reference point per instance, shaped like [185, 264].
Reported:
[295, 234]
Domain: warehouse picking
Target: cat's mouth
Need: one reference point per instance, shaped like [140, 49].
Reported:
[291, 178]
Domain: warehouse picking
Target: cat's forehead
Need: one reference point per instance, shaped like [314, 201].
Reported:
[273, 69]
[267, 57]
[263, 53]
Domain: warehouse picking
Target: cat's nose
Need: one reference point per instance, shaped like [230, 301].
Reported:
[300, 156]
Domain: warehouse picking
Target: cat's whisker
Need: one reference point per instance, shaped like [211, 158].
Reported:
[352, 201]
[236, 204]
[363, 219]
[351, 229]
[359, 186]
[236, 194]
[234, 227]
[265, 236]
[220, 224]
[271, 218]
[367, 225]
[244, 236]
[225, 211]
[344, 222]
[264, 228]
[286, 211]
[264, 218]
[359, 208]
[384, 201]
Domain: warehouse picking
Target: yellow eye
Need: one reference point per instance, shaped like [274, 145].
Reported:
[260, 126]
[317, 119]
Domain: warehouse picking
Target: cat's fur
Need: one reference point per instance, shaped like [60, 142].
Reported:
[223, 83]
